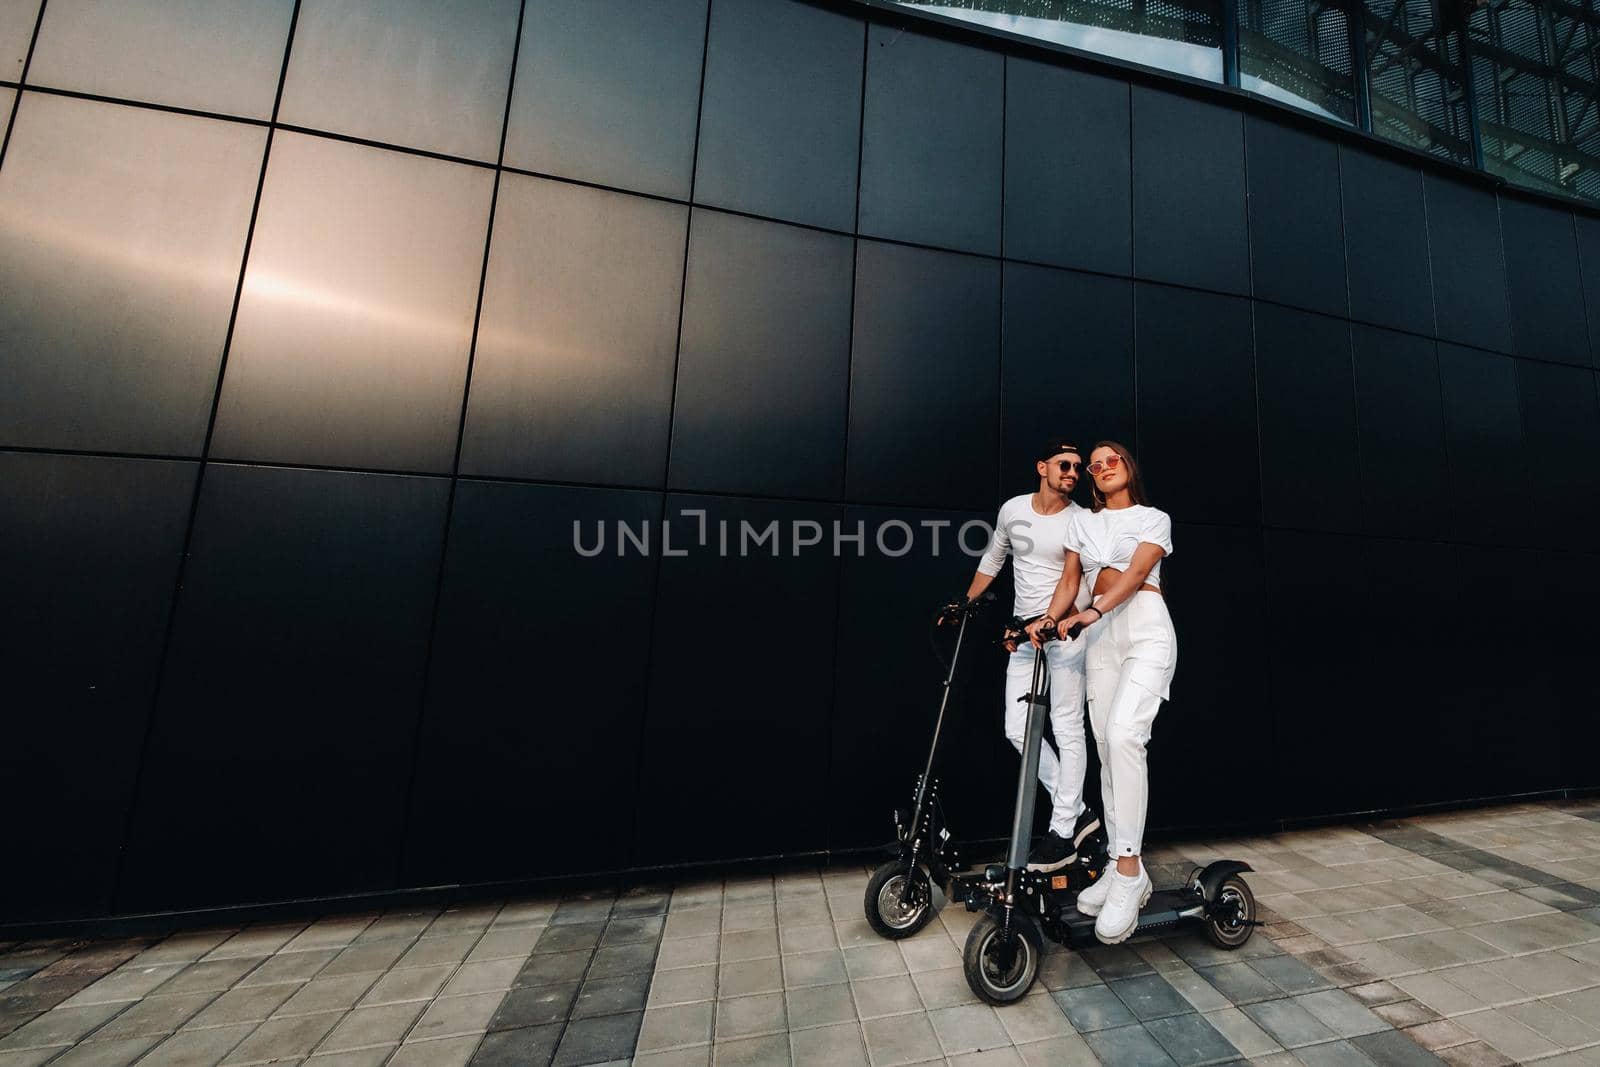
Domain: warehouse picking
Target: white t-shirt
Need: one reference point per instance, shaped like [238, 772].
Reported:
[1108, 538]
[1036, 545]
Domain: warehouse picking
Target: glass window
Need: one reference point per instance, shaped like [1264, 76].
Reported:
[1535, 74]
[350, 348]
[416, 73]
[1414, 69]
[16, 31]
[1184, 36]
[210, 55]
[1298, 53]
[121, 234]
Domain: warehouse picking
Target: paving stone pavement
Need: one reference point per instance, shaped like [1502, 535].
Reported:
[1468, 938]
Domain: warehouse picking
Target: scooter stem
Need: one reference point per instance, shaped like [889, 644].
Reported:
[1027, 781]
[938, 725]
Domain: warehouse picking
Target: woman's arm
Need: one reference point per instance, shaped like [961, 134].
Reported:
[1061, 600]
[1145, 557]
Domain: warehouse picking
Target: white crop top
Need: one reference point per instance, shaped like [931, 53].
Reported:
[1108, 538]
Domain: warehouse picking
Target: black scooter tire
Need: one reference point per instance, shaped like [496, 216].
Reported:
[1232, 935]
[981, 942]
[881, 902]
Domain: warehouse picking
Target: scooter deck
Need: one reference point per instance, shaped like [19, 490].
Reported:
[1166, 908]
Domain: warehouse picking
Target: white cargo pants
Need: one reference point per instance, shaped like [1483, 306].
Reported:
[1131, 656]
[1061, 776]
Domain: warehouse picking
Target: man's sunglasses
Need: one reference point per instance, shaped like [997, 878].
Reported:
[1069, 465]
[1110, 463]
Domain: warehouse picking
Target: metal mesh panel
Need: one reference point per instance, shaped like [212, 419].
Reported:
[1197, 22]
[1414, 71]
[1301, 47]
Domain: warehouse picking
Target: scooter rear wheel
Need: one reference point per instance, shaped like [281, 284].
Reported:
[981, 959]
[887, 916]
[1234, 914]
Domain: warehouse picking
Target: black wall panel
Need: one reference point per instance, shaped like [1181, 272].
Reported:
[764, 363]
[1547, 312]
[1483, 433]
[284, 732]
[514, 729]
[1188, 193]
[1323, 713]
[1068, 192]
[1296, 230]
[1215, 589]
[1309, 453]
[578, 336]
[609, 93]
[1405, 473]
[1561, 431]
[89, 551]
[1386, 242]
[736, 725]
[1197, 404]
[924, 378]
[888, 683]
[780, 118]
[1469, 275]
[760, 267]
[930, 149]
[1067, 365]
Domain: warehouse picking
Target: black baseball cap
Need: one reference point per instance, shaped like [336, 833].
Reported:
[1054, 446]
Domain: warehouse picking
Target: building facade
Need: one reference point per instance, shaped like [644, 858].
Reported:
[333, 334]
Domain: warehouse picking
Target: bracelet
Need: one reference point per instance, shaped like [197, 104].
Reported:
[1098, 614]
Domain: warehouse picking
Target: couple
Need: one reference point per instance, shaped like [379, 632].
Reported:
[1099, 567]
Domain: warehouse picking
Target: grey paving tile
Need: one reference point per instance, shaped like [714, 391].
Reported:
[1034, 1018]
[1093, 1008]
[836, 1046]
[816, 937]
[534, 1006]
[243, 1004]
[819, 1006]
[1555, 1025]
[1064, 969]
[153, 1016]
[256, 941]
[1333, 1054]
[877, 997]
[606, 996]
[1441, 1033]
[636, 958]
[550, 968]
[412, 983]
[1133, 1046]
[598, 1040]
[1341, 1013]
[117, 1053]
[1506, 1034]
[487, 976]
[1289, 974]
[748, 945]
[1191, 1040]
[327, 994]
[688, 952]
[568, 938]
[1149, 996]
[1475, 1054]
[968, 1028]
[61, 1026]
[288, 967]
[769, 1051]
[1116, 961]
[124, 984]
[750, 976]
[1288, 1023]
[283, 1039]
[943, 988]
[581, 912]
[199, 1048]
[455, 1016]
[750, 1016]
[1240, 983]
[677, 1026]
[814, 968]
[1068, 1050]
[686, 985]
[898, 1039]
[632, 931]
[1394, 1049]
[396, 926]
[385, 1024]
[1403, 1013]
[210, 976]
[518, 1048]
[364, 958]
[446, 1052]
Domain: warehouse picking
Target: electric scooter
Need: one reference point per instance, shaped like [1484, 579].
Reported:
[1021, 907]
[899, 897]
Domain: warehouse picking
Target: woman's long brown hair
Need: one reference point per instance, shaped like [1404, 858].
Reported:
[1135, 482]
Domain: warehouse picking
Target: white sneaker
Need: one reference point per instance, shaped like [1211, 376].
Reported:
[1123, 900]
[1092, 899]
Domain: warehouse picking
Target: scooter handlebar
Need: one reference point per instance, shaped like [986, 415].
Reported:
[962, 607]
[1048, 632]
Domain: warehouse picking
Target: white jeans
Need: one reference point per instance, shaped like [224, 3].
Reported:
[1131, 656]
[1062, 777]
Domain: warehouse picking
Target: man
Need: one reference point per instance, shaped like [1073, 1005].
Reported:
[1031, 529]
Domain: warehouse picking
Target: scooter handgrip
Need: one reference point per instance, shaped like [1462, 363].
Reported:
[1074, 630]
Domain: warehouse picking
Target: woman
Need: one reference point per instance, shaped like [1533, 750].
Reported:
[1117, 547]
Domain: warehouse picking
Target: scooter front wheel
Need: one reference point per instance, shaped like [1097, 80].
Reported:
[988, 973]
[896, 909]
[1233, 914]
